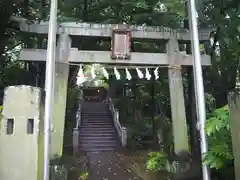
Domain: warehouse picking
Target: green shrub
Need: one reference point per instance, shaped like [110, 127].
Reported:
[219, 139]
[139, 133]
[83, 176]
[72, 95]
[220, 152]
[159, 161]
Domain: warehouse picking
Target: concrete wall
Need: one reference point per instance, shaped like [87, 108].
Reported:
[21, 150]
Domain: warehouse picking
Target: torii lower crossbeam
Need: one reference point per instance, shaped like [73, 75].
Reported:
[104, 57]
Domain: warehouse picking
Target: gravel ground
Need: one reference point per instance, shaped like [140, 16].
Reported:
[108, 166]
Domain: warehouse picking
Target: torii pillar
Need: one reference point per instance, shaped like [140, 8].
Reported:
[60, 94]
[234, 113]
[178, 111]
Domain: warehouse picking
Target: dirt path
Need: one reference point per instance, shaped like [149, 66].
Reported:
[108, 166]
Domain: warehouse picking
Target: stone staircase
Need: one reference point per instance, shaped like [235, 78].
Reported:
[97, 132]
[98, 137]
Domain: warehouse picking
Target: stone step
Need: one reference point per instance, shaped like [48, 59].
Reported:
[106, 122]
[95, 103]
[92, 125]
[98, 141]
[96, 134]
[89, 114]
[96, 118]
[95, 149]
[90, 120]
[84, 116]
[100, 106]
[96, 114]
[95, 109]
[98, 148]
[98, 145]
[96, 121]
[98, 127]
[97, 130]
[97, 124]
[90, 138]
[97, 106]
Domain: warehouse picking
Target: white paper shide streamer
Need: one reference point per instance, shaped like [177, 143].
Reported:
[105, 73]
[139, 73]
[93, 72]
[80, 76]
[117, 74]
[148, 75]
[156, 73]
[128, 75]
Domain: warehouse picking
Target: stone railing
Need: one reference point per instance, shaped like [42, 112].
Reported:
[78, 122]
[121, 131]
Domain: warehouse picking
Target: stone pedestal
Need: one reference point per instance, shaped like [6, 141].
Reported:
[21, 134]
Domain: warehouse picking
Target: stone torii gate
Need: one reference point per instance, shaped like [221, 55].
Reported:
[67, 55]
